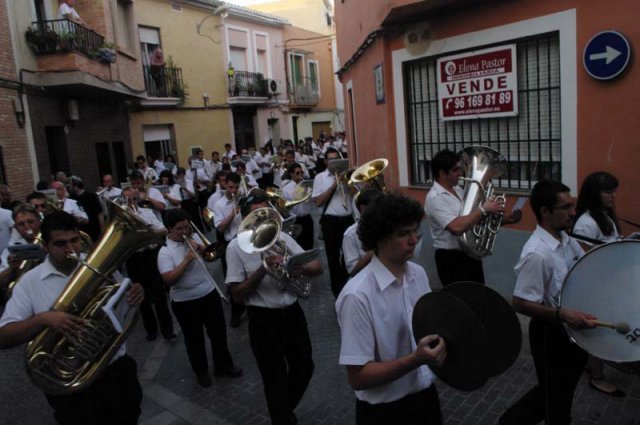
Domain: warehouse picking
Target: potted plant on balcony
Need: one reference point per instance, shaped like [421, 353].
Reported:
[42, 41]
[261, 85]
[66, 40]
[106, 53]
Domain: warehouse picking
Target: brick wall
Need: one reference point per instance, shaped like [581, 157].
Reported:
[100, 121]
[13, 139]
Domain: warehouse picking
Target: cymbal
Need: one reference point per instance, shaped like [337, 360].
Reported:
[500, 322]
[466, 365]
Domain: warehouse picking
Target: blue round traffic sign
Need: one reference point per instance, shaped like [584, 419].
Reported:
[606, 55]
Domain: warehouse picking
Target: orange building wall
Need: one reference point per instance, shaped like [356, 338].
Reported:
[605, 111]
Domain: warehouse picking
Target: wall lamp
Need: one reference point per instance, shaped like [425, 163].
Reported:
[18, 110]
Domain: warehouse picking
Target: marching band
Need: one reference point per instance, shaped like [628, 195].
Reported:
[260, 207]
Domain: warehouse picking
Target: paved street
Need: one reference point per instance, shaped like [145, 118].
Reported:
[172, 397]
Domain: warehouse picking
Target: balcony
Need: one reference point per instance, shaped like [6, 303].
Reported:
[164, 86]
[304, 94]
[248, 85]
[62, 36]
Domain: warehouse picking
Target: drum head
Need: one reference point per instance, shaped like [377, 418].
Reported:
[465, 367]
[606, 283]
[500, 322]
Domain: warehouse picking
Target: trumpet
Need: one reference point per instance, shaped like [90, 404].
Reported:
[200, 261]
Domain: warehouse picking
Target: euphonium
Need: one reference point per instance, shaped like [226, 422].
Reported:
[481, 164]
[60, 364]
[208, 216]
[369, 172]
[260, 232]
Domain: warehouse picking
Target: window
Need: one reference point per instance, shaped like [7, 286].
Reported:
[238, 58]
[261, 62]
[531, 141]
[261, 42]
[149, 41]
[125, 25]
[296, 70]
[314, 78]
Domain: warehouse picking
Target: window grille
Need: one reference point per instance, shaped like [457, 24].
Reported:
[530, 141]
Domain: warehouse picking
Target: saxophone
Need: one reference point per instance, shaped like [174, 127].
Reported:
[63, 364]
[481, 164]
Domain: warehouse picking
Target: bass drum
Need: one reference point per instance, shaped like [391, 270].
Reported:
[606, 283]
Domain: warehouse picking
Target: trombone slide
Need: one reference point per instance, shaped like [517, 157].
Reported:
[201, 263]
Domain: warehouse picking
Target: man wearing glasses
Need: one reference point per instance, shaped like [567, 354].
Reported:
[28, 312]
[545, 260]
[302, 211]
[442, 205]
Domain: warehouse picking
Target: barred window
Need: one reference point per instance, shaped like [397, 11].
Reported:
[531, 141]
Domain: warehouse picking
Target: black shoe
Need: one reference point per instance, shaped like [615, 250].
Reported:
[235, 321]
[232, 372]
[152, 337]
[204, 381]
[169, 336]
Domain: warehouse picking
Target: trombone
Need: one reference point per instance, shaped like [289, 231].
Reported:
[337, 166]
[210, 253]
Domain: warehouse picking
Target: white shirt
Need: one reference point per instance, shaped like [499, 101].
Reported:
[229, 154]
[70, 206]
[111, 193]
[214, 198]
[543, 265]
[322, 182]
[250, 182]
[38, 289]
[194, 283]
[267, 165]
[587, 226]
[288, 192]
[159, 166]
[221, 210]
[149, 174]
[16, 239]
[375, 314]
[65, 10]
[6, 224]
[186, 184]
[175, 193]
[201, 175]
[352, 250]
[253, 169]
[156, 195]
[269, 293]
[148, 216]
[442, 208]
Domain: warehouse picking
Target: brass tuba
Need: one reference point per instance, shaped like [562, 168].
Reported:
[369, 174]
[480, 164]
[62, 364]
[260, 232]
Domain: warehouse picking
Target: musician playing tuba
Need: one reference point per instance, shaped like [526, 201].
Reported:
[28, 313]
[277, 324]
[443, 206]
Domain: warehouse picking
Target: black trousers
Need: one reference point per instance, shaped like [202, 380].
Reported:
[333, 228]
[455, 266]
[282, 348]
[191, 206]
[265, 181]
[421, 408]
[113, 398]
[305, 239]
[196, 316]
[559, 364]
[236, 308]
[142, 267]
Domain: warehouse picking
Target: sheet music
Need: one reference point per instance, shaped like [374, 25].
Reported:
[520, 203]
[118, 309]
[298, 260]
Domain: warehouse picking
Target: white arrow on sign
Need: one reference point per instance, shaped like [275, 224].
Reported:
[609, 55]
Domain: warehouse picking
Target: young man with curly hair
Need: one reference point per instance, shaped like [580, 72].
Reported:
[387, 369]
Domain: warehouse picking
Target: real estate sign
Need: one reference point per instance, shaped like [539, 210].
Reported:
[478, 84]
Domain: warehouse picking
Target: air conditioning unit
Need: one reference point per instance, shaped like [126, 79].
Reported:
[275, 87]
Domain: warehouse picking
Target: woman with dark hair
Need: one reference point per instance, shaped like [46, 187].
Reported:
[597, 220]
[596, 210]
[172, 196]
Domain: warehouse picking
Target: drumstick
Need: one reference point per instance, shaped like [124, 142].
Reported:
[621, 327]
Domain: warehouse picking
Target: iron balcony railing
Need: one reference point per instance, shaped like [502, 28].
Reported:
[304, 93]
[164, 81]
[247, 84]
[45, 37]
